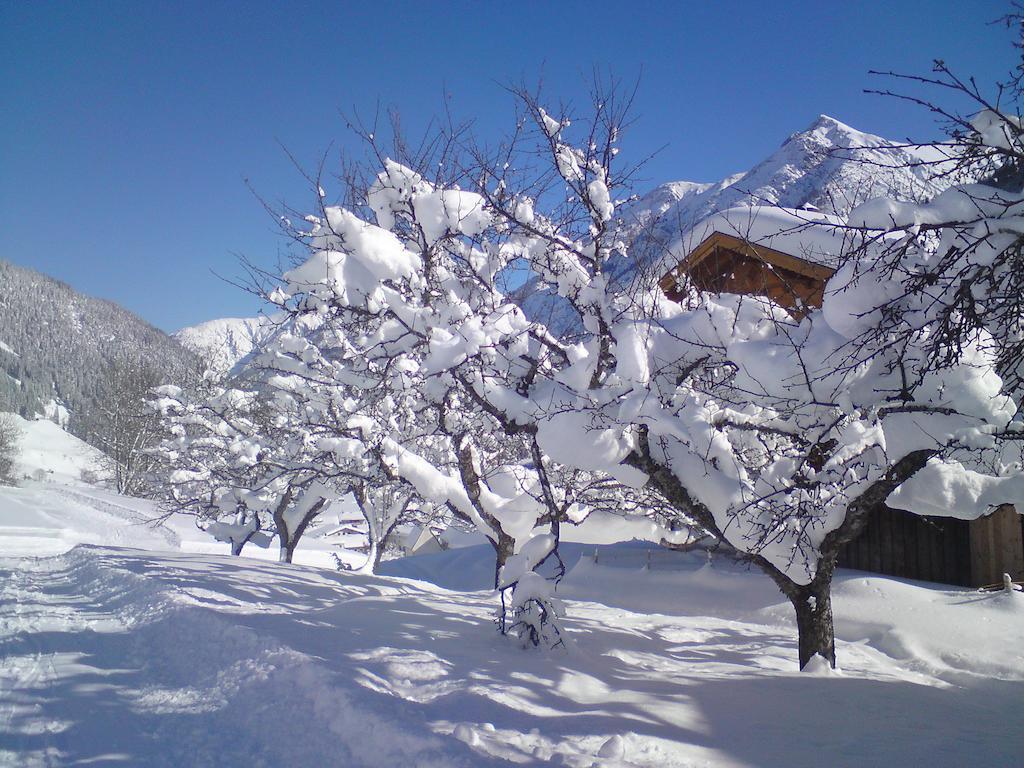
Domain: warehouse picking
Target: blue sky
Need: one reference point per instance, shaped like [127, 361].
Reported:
[128, 129]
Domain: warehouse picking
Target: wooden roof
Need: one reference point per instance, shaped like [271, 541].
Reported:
[724, 263]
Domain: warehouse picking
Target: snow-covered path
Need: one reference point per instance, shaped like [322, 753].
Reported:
[118, 656]
[115, 657]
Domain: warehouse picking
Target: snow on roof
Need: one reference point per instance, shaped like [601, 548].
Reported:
[816, 237]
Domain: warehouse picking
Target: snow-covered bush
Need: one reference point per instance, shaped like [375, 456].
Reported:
[529, 609]
[533, 614]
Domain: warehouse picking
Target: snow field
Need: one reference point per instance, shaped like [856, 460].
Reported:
[127, 657]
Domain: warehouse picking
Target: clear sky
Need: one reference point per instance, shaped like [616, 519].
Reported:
[127, 129]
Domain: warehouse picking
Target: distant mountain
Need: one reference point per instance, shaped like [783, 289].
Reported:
[829, 167]
[58, 347]
[222, 343]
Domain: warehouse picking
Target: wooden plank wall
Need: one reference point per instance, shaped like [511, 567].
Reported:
[899, 543]
[997, 546]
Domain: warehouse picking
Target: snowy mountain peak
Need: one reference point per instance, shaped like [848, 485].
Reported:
[829, 123]
[221, 343]
[827, 131]
[830, 166]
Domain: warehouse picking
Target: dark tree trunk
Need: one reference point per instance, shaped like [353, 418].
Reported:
[504, 545]
[504, 548]
[287, 550]
[813, 605]
[290, 539]
[300, 529]
[812, 602]
[236, 546]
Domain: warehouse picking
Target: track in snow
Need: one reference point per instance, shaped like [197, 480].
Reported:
[102, 663]
[116, 656]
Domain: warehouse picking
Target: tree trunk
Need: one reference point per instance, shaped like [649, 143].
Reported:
[236, 546]
[504, 548]
[372, 558]
[287, 545]
[812, 602]
[377, 553]
[504, 545]
[290, 539]
[813, 605]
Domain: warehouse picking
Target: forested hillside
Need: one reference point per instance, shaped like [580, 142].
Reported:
[59, 347]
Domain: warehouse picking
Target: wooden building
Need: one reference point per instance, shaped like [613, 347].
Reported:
[724, 263]
[896, 542]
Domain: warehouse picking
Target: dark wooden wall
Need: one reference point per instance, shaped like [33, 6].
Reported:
[997, 546]
[899, 543]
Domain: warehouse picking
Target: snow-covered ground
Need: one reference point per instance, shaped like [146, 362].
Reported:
[125, 643]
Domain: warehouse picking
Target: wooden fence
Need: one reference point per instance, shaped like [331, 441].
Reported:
[899, 543]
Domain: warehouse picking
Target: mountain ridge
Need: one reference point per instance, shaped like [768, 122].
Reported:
[222, 342]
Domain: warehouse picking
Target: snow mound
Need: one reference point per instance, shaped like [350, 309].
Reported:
[166, 674]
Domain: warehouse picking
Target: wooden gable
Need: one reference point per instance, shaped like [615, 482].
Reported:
[724, 263]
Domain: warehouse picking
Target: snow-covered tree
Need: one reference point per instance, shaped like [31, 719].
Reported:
[10, 436]
[384, 311]
[335, 422]
[962, 254]
[774, 433]
[236, 463]
[401, 321]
